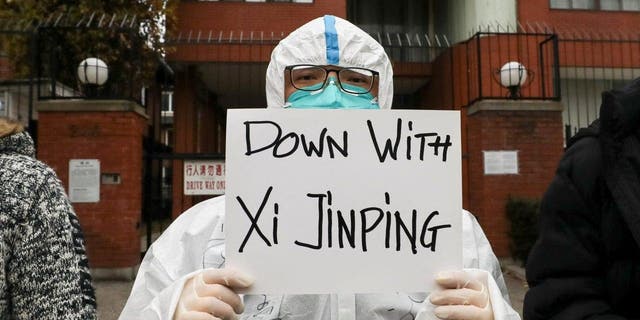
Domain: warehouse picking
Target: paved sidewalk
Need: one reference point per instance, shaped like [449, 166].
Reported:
[515, 279]
[112, 295]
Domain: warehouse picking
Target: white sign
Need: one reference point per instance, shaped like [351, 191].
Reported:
[343, 201]
[84, 180]
[500, 162]
[204, 177]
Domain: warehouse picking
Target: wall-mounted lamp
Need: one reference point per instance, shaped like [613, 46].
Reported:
[92, 72]
[513, 75]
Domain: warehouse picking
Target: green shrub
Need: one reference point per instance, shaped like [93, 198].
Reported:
[523, 217]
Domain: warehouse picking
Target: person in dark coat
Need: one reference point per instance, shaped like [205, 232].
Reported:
[586, 261]
[44, 272]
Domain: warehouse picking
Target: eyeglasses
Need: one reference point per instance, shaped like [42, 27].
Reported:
[308, 77]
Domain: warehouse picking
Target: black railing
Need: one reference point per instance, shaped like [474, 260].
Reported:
[158, 189]
[591, 63]
[124, 64]
[54, 47]
[401, 47]
[412, 47]
[487, 56]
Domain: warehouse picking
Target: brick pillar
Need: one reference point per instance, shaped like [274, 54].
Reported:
[112, 132]
[534, 130]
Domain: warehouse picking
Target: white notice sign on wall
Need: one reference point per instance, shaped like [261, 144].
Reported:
[500, 162]
[84, 180]
[205, 177]
[343, 201]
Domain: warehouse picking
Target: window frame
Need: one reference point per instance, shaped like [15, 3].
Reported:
[262, 1]
[597, 6]
[4, 103]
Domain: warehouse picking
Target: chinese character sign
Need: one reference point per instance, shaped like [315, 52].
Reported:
[205, 177]
[343, 201]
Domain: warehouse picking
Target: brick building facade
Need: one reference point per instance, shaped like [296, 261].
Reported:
[460, 77]
[111, 132]
[441, 59]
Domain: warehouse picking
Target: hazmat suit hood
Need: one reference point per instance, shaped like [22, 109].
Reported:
[329, 40]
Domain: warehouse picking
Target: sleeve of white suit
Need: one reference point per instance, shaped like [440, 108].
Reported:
[478, 256]
[172, 259]
[155, 293]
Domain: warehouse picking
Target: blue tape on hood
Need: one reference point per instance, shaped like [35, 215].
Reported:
[331, 38]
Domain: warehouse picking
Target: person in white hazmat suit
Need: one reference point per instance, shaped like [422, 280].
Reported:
[326, 63]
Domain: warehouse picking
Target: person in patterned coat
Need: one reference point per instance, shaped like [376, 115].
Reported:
[44, 271]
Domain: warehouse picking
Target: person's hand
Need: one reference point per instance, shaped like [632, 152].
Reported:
[210, 295]
[464, 296]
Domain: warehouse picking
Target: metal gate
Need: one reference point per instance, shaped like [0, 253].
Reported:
[160, 165]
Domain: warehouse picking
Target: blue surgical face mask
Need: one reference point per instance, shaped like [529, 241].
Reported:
[331, 97]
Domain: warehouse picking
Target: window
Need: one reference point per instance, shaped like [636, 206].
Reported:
[167, 138]
[620, 5]
[573, 4]
[560, 4]
[583, 4]
[167, 103]
[294, 1]
[610, 4]
[605, 5]
[631, 5]
[393, 19]
[4, 101]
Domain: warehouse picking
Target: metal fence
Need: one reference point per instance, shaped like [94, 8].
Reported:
[572, 66]
[48, 70]
[588, 63]
[50, 44]
[591, 63]
[416, 47]
[491, 55]
[402, 47]
[16, 101]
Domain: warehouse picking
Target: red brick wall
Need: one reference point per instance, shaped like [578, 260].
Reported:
[581, 21]
[115, 138]
[6, 69]
[603, 54]
[618, 26]
[274, 20]
[537, 136]
[253, 16]
[449, 70]
[222, 52]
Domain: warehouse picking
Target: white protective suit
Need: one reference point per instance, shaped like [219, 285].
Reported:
[195, 240]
